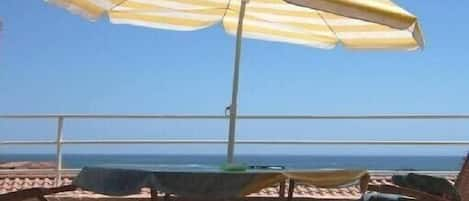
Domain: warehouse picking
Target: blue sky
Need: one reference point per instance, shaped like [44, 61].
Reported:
[55, 62]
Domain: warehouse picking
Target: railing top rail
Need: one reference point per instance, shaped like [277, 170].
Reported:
[195, 116]
[241, 141]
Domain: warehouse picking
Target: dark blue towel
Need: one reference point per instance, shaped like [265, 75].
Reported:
[375, 196]
[429, 184]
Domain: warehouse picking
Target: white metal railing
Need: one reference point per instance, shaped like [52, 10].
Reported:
[60, 118]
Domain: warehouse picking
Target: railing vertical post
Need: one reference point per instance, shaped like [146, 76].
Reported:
[58, 177]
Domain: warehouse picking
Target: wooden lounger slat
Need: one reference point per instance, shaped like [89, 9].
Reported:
[38, 193]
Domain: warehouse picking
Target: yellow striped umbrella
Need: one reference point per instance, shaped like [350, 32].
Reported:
[357, 24]
[317, 23]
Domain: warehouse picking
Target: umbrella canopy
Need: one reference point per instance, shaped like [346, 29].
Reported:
[358, 24]
[318, 23]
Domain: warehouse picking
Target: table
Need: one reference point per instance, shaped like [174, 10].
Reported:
[200, 182]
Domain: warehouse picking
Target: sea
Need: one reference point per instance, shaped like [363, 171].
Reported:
[410, 163]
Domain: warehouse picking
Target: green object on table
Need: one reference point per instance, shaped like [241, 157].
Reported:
[232, 167]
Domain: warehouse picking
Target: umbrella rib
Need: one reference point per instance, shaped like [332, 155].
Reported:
[329, 27]
[117, 4]
[226, 10]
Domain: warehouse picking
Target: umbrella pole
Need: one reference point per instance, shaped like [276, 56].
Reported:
[234, 96]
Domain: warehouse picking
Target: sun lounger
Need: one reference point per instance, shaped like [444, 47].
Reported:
[426, 188]
[462, 182]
